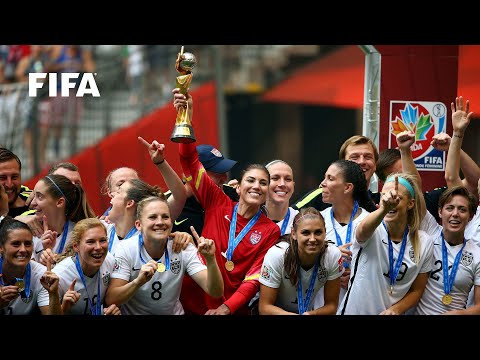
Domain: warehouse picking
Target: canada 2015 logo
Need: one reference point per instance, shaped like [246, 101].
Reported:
[425, 119]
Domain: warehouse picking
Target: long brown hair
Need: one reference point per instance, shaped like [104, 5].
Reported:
[292, 260]
[76, 203]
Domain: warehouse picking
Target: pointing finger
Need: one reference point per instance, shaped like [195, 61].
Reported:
[72, 285]
[195, 234]
[49, 264]
[143, 141]
[45, 224]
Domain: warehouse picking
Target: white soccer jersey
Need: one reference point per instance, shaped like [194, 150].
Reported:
[332, 239]
[38, 246]
[468, 273]
[472, 231]
[273, 275]
[111, 229]
[430, 226]
[38, 294]
[67, 271]
[292, 213]
[369, 285]
[160, 295]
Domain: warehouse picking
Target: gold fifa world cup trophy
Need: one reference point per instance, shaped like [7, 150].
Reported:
[183, 130]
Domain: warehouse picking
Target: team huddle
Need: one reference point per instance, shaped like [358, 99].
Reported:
[208, 248]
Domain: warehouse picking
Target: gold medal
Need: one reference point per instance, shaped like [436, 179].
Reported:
[390, 291]
[161, 267]
[20, 284]
[229, 265]
[446, 299]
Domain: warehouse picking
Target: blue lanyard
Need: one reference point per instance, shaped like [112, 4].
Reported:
[114, 232]
[303, 304]
[64, 238]
[107, 211]
[97, 308]
[232, 240]
[28, 275]
[349, 228]
[448, 280]
[391, 260]
[167, 257]
[285, 222]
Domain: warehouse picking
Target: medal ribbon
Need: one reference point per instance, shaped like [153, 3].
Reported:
[1, 270]
[167, 257]
[303, 304]
[391, 260]
[232, 240]
[64, 238]
[285, 222]
[349, 228]
[448, 280]
[113, 233]
[27, 281]
[97, 308]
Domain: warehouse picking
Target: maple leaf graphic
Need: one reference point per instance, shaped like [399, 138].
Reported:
[424, 124]
[410, 121]
[398, 126]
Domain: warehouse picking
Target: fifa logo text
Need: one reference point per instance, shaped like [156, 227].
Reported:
[67, 81]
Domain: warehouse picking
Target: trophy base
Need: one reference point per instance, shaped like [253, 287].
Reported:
[183, 134]
[183, 140]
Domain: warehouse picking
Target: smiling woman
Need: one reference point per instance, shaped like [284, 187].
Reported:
[85, 270]
[391, 252]
[58, 205]
[26, 286]
[294, 270]
[241, 231]
[149, 272]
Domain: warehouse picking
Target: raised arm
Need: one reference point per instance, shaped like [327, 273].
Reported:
[469, 167]
[179, 195]
[181, 100]
[211, 280]
[405, 140]
[50, 281]
[366, 228]
[460, 121]
[471, 171]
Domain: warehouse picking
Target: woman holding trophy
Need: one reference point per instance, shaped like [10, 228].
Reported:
[241, 231]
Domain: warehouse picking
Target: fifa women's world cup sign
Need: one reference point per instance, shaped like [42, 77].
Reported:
[425, 119]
